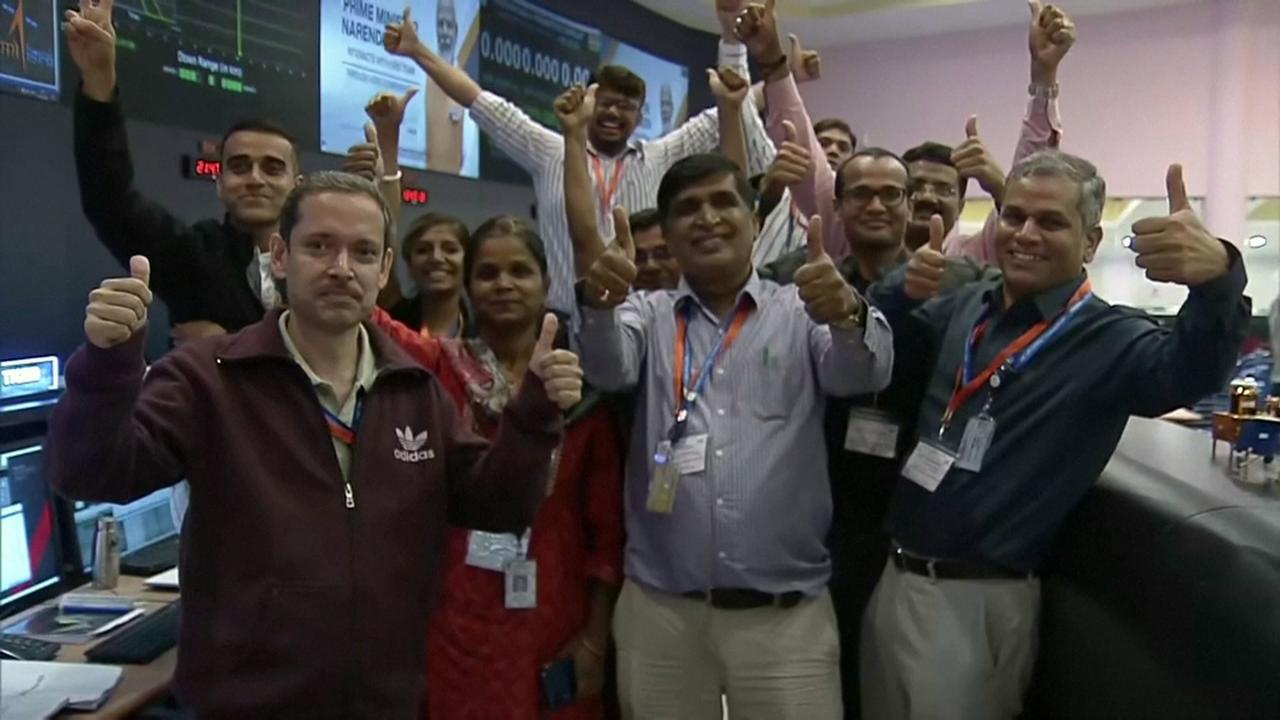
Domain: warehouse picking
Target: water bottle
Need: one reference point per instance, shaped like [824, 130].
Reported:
[106, 554]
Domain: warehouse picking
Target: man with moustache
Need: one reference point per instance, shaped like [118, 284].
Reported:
[723, 592]
[1030, 380]
[310, 560]
[214, 276]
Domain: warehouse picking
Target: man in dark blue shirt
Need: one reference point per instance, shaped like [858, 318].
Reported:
[1028, 387]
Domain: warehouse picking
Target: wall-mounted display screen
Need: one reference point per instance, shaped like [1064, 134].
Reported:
[29, 48]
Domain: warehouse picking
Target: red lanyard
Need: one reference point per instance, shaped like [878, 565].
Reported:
[607, 193]
[342, 432]
[683, 364]
[963, 391]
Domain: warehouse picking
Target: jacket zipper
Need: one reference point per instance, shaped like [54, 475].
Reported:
[346, 487]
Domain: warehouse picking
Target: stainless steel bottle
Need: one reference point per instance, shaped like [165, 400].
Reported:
[106, 554]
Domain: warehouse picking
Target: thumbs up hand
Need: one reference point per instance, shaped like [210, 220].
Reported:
[927, 265]
[792, 163]
[365, 159]
[386, 110]
[118, 307]
[806, 65]
[827, 297]
[1177, 248]
[609, 280]
[973, 159]
[91, 40]
[728, 86]
[402, 38]
[559, 370]
[1050, 37]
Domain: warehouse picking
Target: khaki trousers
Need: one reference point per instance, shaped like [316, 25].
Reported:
[676, 656]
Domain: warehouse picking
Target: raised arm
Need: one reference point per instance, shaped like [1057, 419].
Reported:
[730, 90]
[614, 319]
[528, 143]
[1050, 36]
[575, 108]
[114, 437]
[1162, 369]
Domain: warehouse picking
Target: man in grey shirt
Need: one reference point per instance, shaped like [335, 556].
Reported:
[727, 503]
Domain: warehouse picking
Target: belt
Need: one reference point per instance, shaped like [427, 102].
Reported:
[954, 569]
[737, 599]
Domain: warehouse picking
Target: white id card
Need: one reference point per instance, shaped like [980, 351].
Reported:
[871, 432]
[690, 454]
[522, 584]
[928, 465]
[978, 433]
[491, 551]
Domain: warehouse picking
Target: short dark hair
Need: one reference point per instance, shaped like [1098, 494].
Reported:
[261, 125]
[644, 220]
[1055, 163]
[424, 223]
[501, 226]
[874, 153]
[836, 124]
[620, 80]
[696, 169]
[936, 153]
[318, 183]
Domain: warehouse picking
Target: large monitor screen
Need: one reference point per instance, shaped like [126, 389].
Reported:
[29, 48]
[29, 559]
[206, 64]
[666, 101]
[437, 133]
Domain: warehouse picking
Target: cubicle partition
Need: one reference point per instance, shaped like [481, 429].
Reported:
[1162, 599]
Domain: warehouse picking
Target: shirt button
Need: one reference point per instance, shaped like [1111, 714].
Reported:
[720, 501]
[719, 453]
[722, 556]
[719, 371]
[720, 412]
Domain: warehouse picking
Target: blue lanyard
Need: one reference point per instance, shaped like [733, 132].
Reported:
[689, 388]
[342, 431]
[1020, 360]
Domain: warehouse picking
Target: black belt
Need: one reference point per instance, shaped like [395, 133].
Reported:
[736, 599]
[954, 569]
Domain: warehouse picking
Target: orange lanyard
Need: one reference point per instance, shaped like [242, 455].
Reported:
[607, 192]
[683, 367]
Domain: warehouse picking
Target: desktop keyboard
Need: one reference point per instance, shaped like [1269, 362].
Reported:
[152, 559]
[21, 647]
[141, 641]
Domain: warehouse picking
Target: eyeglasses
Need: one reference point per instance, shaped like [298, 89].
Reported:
[621, 106]
[889, 196]
[940, 190]
[658, 254]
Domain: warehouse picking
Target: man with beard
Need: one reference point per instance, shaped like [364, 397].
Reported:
[444, 115]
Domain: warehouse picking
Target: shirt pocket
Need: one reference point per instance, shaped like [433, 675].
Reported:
[770, 380]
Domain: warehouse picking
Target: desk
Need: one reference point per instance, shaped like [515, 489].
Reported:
[140, 684]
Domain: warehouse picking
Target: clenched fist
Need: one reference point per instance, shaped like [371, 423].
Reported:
[1177, 248]
[575, 108]
[610, 278]
[559, 370]
[728, 86]
[118, 308]
[365, 159]
[827, 297]
[792, 163]
[927, 265]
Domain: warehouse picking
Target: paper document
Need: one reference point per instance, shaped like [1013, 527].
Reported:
[37, 690]
[167, 580]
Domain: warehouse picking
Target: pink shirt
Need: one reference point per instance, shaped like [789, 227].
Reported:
[1041, 129]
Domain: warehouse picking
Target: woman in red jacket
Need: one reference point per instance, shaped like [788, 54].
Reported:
[485, 660]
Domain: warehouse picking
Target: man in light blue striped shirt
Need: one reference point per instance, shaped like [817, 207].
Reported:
[726, 563]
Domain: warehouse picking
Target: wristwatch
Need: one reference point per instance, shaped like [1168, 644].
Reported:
[856, 318]
[1048, 92]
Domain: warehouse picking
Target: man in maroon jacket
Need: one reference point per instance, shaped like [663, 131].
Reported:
[324, 466]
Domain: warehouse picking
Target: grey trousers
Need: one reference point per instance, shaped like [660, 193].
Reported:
[948, 649]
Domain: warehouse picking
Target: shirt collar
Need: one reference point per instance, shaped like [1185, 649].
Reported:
[1048, 303]
[366, 366]
[754, 289]
[634, 145]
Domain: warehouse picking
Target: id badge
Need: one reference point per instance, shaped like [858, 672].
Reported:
[691, 455]
[871, 432]
[978, 433]
[491, 551]
[928, 465]
[522, 584]
[666, 478]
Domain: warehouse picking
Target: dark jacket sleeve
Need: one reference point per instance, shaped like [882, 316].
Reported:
[114, 437]
[499, 487]
[126, 222]
[1162, 368]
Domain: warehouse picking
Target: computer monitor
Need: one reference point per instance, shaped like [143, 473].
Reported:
[31, 547]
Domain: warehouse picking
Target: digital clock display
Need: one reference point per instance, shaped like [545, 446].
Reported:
[198, 168]
[28, 376]
[413, 196]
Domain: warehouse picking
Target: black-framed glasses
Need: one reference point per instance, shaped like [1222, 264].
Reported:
[862, 195]
[938, 189]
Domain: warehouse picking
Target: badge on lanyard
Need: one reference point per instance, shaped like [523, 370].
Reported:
[871, 432]
[521, 582]
[491, 551]
[928, 465]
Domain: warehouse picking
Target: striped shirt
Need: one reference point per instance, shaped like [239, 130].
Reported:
[540, 152]
[757, 517]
